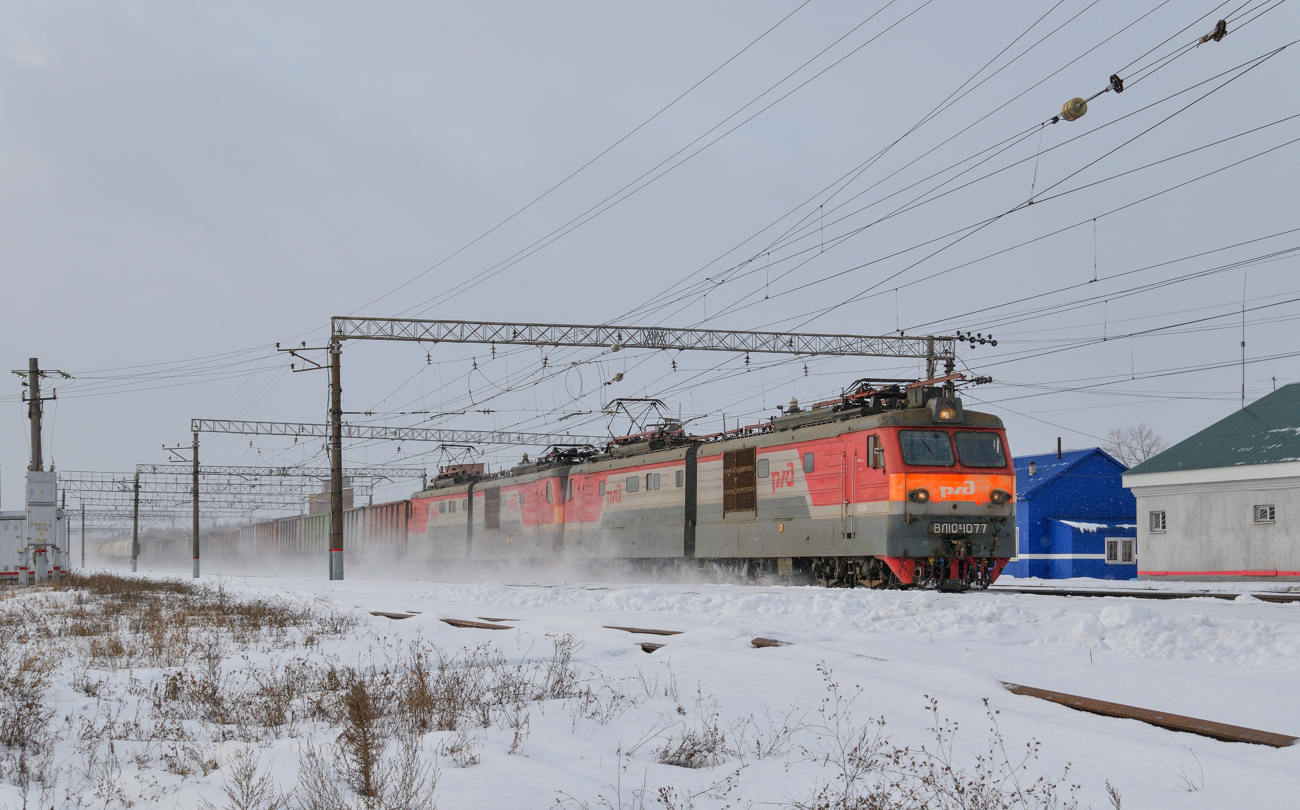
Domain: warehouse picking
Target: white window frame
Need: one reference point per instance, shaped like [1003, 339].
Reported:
[1265, 513]
[1115, 548]
[1162, 521]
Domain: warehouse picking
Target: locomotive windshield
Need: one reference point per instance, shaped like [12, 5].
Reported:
[926, 448]
[980, 449]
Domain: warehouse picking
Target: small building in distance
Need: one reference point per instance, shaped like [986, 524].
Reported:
[1222, 504]
[1073, 517]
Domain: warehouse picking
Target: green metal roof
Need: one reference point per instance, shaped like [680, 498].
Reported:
[1266, 431]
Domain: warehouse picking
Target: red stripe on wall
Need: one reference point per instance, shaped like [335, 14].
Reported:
[1219, 573]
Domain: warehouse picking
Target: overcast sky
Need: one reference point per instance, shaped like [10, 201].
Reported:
[184, 185]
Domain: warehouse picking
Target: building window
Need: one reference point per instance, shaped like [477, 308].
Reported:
[807, 462]
[681, 478]
[1158, 521]
[762, 468]
[1265, 513]
[633, 483]
[1119, 550]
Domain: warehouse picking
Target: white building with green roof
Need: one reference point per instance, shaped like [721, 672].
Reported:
[1225, 503]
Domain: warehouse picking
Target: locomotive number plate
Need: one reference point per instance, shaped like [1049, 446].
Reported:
[954, 527]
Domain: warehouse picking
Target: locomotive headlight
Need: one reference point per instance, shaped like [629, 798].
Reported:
[946, 409]
[999, 496]
[918, 496]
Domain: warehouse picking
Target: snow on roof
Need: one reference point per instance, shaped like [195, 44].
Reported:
[1267, 431]
[1092, 526]
[1048, 466]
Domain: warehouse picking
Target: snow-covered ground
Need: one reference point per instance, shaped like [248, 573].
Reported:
[1233, 661]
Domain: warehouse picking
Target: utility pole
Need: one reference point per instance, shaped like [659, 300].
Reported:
[135, 526]
[196, 504]
[336, 459]
[83, 533]
[42, 486]
[34, 411]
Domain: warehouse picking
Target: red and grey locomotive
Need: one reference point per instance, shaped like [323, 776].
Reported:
[889, 485]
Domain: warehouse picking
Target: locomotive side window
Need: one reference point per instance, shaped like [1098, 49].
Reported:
[571, 488]
[762, 468]
[980, 449]
[451, 507]
[492, 508]
[548, 492]
[601, 489]
[808, 463]
[877, 452]
[926, 448]
[681, 478]
[653, 480]
[633, 484]
[442, 507]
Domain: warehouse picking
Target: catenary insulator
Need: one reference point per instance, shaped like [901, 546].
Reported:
[1074, 109]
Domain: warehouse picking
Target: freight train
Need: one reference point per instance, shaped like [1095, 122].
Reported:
[888, 485]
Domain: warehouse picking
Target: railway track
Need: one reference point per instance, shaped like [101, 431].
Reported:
[1278, 598]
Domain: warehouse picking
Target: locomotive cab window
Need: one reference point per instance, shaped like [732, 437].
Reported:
[808, 463]
[980, 449]
[633, 484]
[925, 448]
[762, 468]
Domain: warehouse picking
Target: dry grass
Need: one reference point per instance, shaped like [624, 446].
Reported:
[169, 674]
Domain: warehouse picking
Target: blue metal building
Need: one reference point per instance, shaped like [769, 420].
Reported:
[1074, 518]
